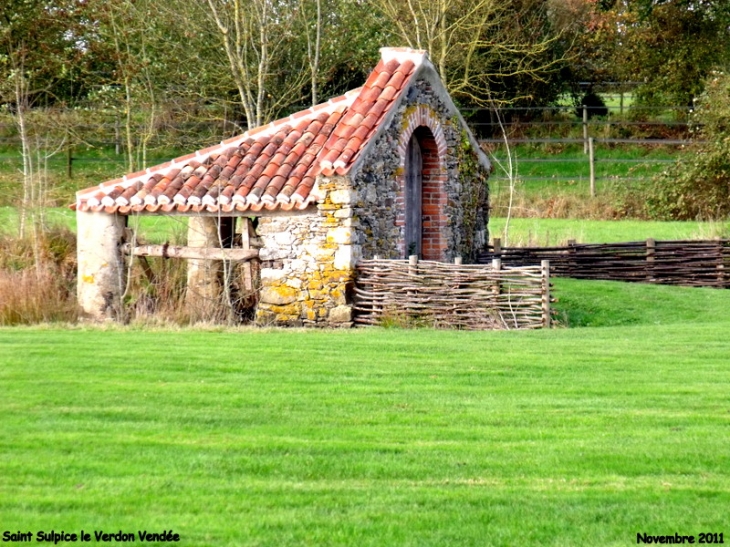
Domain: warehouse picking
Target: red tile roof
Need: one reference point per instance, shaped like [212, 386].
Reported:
[270, 167]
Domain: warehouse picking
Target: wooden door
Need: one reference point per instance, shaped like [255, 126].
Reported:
[413, 197]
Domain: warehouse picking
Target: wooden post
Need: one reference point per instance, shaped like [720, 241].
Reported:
[650, 255]
[497, 244]
[592, 162]
[571, 265]
[458, 261]
[377, 310]
[545, 280]
[413, 265]
[497, 269]
[411, 303]
[246, 231]
[720, 265]
[585, 129]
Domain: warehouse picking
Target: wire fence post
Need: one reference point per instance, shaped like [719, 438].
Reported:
[585, 129]
[592, 162]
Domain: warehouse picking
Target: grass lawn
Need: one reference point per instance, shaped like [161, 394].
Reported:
[582, 436]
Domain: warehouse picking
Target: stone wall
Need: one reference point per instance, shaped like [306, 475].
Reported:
[308, 261]
[378, 229]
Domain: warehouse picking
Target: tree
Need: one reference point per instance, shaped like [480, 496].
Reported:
[485, 50]
[672, 45]
[589, 29]
[256, 36]
[697, 187]
[35, 48]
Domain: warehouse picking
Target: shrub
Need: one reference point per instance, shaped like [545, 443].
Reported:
[595, 106]
[698, 185]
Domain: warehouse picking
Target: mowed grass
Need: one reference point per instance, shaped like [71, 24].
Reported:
[582, 436]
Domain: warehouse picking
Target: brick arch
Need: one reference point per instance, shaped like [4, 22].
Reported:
[425, 126]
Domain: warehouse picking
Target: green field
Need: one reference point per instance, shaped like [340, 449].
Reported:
[583, 436]
[522, 231]
[557, 231]
[566, 167]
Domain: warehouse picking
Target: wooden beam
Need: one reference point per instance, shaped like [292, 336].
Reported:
[196, 253]
[246, 231]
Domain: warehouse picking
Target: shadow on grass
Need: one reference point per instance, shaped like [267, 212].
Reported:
[584, 303]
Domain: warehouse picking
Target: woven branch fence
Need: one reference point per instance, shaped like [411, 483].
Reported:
[687, 263]
[459, 296]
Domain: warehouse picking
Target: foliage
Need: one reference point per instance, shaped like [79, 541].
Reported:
[672, 46]
[698, 185]
[668, 47]
[594, 103]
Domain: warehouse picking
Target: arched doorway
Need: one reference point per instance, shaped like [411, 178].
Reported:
[424, 197]
[414, 197]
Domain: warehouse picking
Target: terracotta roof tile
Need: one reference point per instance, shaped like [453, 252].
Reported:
[269, 167]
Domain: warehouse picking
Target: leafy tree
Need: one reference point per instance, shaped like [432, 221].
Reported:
[698, 185]
[589, 30]
[672, 45]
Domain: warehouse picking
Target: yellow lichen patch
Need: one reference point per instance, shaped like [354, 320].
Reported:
[309, 310]
[318, 295]
[279, 294]
[88, 278]
[338, 295]
[291, 311]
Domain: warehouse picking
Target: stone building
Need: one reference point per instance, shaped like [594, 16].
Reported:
[388, 169]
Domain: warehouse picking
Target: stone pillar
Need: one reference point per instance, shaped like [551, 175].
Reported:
[101, 272]
[204, 289]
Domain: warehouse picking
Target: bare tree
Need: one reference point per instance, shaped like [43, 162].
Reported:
[26, 74]
[314, 43]
[477, 43]
[255, 35]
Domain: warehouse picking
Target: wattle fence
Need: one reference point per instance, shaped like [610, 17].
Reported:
[690, 263]
[459, 296]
